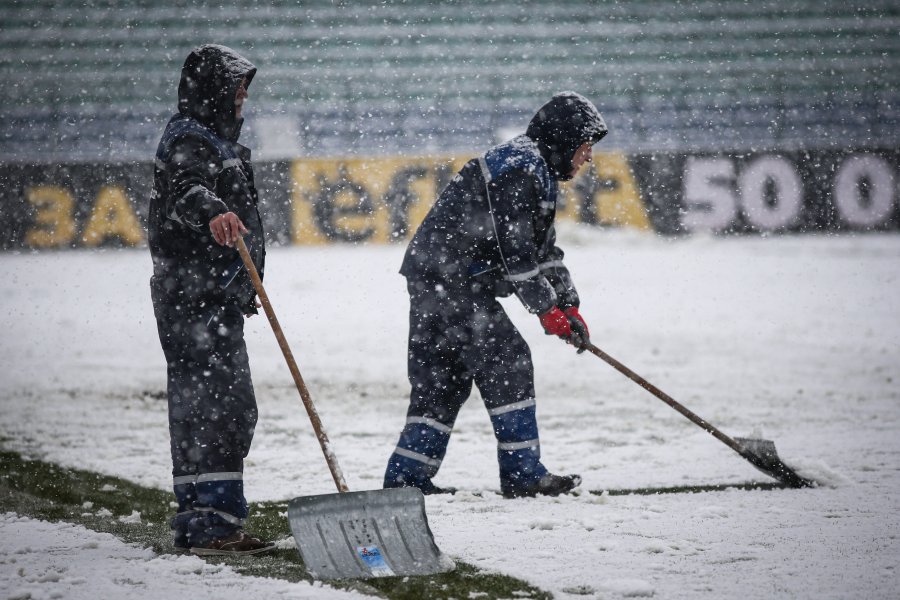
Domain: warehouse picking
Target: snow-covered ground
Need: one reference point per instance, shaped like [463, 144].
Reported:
[796, 339]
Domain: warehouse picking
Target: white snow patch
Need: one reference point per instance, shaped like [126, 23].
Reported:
[791, 337]
[133, 518]
[42, 560]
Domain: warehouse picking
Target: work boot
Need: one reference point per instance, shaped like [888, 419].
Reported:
[430, 489]
[548, 485]
[236, 544]
[425, 486]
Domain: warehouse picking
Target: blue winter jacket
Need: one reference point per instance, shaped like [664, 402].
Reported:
[494, 224]
[202, 172]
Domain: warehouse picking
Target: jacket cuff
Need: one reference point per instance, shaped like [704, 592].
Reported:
[214, 209]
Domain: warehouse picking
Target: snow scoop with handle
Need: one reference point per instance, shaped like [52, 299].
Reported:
[353, 535]
[760, 453]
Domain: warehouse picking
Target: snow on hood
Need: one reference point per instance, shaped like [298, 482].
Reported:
[563, 124]
[209, 81]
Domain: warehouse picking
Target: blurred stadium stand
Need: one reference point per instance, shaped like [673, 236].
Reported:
[96, 80]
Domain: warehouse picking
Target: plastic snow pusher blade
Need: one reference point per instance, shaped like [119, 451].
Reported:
[762, 455]
[379, 533]
[352, 534]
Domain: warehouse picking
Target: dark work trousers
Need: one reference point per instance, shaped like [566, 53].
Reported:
[212, 414]
[457, 337]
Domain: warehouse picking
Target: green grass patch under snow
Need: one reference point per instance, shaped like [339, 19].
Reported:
[108, 504]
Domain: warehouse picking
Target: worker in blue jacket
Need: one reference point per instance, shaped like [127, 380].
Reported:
[489, 234]
[204, 198]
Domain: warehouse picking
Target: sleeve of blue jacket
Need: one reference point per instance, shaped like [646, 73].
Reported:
[552, 267]
[514, 197]
[193, 170]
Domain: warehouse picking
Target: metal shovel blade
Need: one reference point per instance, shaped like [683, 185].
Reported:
[359, 535]
[762, 455]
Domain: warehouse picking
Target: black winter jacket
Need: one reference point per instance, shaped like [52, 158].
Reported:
[202, 172]
[494, 222]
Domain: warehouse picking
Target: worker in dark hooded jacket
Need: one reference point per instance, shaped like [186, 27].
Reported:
[489, 234]
[204, 198]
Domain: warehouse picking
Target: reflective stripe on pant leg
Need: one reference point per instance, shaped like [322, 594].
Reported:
[223, 494]
[439, 333]
[220, 507]
[210, 505]
[185, 495]
[185, 491]
[228, 420]
[518, 443]
[417, 458]
[505, 377]
[174, 327]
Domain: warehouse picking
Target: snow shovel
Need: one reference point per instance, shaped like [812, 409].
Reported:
[353, 535]
[760, 453]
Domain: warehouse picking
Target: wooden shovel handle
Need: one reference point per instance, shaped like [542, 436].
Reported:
[664, 397]
[330, 458]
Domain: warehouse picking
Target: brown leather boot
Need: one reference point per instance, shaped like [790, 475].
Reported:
[236, 544]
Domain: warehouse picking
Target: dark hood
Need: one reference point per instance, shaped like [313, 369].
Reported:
[562, 125]
[209, 81]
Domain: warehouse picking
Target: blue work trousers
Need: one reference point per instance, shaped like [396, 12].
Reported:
[457, 337]
[212, 415]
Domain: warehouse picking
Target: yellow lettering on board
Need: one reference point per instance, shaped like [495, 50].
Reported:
[332, 201]
[112, 216]
[335, 200]
[54, 221]
[381, 199]
[306, 178]
[621, 205]
[374, 176]
[359, 199]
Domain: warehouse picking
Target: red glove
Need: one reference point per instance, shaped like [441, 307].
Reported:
[581, 337]
[574, 315]
[556, 323]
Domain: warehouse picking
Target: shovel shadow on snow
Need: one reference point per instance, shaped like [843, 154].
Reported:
[693, 489]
